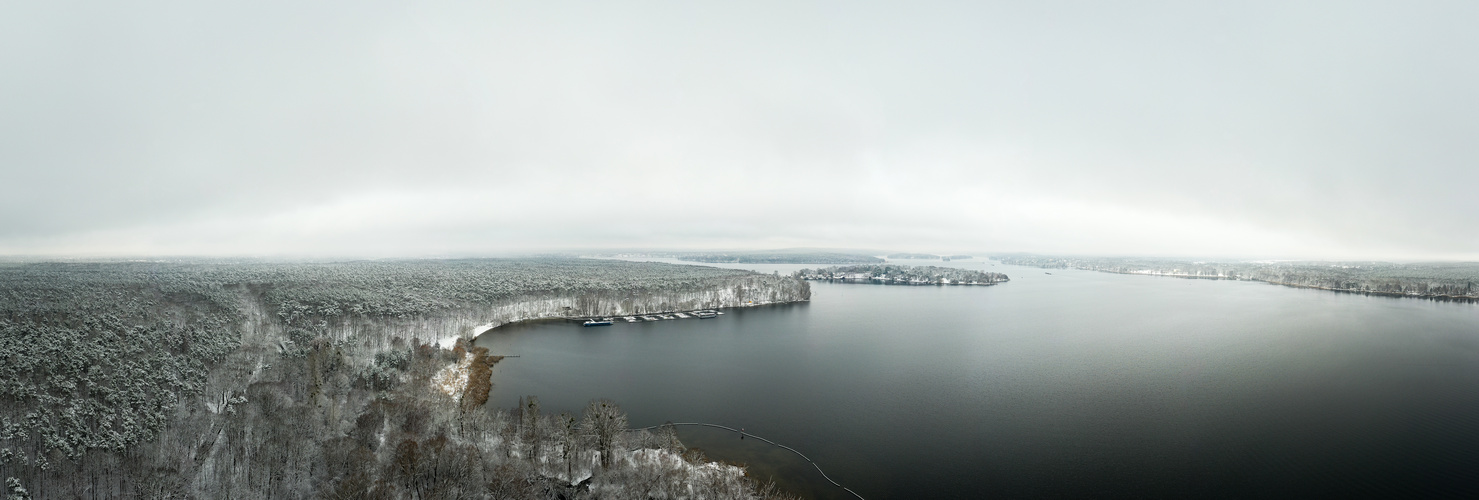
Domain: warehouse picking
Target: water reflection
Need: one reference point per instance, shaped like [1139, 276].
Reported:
[1069, 384]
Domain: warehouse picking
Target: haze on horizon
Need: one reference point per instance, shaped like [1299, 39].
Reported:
[1323, 130]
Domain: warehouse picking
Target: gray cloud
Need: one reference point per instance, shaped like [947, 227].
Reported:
[1331, 130]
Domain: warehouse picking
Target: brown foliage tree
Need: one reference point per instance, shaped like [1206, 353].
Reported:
[405, 464]
[479, 379]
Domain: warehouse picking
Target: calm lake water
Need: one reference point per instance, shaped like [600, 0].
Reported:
[1070, 384]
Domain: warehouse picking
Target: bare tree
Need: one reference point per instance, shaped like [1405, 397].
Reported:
[531, 428]
[604, 421]
[570, 440]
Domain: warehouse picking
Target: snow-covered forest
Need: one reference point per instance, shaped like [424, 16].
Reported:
[1438, 280]
[215, 379]
[902, 275]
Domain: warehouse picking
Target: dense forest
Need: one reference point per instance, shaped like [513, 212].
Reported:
[902, 275]
[275, 380]
[1447, 281]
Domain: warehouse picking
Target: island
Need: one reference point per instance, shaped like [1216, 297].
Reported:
[208, 379]
[902, 275]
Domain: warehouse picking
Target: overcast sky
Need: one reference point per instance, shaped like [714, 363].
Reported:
[1335, 130]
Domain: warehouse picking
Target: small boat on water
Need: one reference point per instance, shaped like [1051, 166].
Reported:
[597, 322]
[681, 315]
[630, 319]
[706, 314]
[651, 318]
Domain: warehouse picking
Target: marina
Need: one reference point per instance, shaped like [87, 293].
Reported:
[700, 314]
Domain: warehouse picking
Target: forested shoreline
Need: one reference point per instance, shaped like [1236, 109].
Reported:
[889, 274]
[211, 379]
[1437, 280]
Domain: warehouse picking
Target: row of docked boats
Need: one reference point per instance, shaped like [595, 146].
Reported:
[700, 314]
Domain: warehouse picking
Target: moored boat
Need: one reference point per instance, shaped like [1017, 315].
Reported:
[597, 322]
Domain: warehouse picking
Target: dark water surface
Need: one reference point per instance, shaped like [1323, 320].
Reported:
[1072, 384]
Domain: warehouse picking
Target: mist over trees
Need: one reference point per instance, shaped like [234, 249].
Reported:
[780, 258]
[209, 379]
[927, 256]
[919, 256]
[1442, 280]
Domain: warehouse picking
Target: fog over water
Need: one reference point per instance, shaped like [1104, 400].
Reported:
[1256, 129]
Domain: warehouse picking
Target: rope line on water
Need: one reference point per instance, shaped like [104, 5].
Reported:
[743, 433]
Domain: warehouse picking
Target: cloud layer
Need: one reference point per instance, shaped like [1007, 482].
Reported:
[1334, 130]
